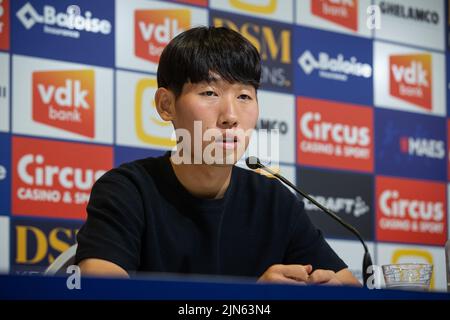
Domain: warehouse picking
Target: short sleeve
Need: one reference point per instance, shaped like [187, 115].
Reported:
[307, 244]
[115, 222]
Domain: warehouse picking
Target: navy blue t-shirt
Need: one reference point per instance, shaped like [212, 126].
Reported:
[141, 218]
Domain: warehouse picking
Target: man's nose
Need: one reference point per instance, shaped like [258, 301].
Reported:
[228, 117]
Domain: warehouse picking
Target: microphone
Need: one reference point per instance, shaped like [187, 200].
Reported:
[254, 163]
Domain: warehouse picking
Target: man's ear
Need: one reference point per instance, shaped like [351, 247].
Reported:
[165, 104]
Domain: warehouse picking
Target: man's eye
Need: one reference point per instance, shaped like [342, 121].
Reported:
[245, 97]
[208, 93]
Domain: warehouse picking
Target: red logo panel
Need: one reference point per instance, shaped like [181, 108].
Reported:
[411, 211]
[335, 135]
[343, 13]
[54, 179]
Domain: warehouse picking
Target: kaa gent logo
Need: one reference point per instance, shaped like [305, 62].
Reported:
[334, 68]
[67, 23]
[65, 100]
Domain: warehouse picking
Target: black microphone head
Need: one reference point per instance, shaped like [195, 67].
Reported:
[253, 163]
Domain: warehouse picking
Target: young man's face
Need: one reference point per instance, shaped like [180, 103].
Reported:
[227, 111]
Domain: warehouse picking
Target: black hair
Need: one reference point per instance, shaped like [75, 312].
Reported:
[199, 53]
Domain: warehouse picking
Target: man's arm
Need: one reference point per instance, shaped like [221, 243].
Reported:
[101, 268]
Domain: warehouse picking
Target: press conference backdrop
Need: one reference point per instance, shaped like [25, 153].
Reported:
[362, 113]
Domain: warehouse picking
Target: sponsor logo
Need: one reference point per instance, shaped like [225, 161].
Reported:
[146, 120]
[411, 211]
[203, 3]
[153, 29]
[54, 179]
[337, 68]
[273, 43]
[353, 203]
[67, 24]
[341, 12]
[255, 7]
[269, 124]
[350, 206]
[4, 24]
[409, 12]
[36, 244]
[411, 79]
[334, 135]
[414, 256]
[65, 100]
[421, 147]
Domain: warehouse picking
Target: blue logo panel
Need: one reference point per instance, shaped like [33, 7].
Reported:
[127, 154]
[35, 243]
[332, 66]
[410, 145]
[273, 41]
[5, 174]
[59, 29]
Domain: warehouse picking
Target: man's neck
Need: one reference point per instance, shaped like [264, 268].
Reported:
[204, 181]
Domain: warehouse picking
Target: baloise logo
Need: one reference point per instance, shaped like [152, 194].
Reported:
[337, 68]
[66, 24]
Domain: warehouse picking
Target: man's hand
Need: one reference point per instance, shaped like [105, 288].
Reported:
[304, 274]
[282, 273]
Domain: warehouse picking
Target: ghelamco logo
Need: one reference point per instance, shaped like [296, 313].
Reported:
[66, 24]
[337, 68]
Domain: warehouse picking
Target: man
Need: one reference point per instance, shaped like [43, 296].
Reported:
[195, 212]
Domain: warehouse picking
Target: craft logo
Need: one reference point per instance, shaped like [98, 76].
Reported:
[353, 203]
[273, 42]
[409, 13]
[54, 179]
[335, 68]
[153, 29]
[266, 7]
[411, 211]
[421, 147]
[148, 125]
[411, 79]
[4, 24]
[65, 100]
[36, 244]
[67, 24]
[341, 12]
[334, 135]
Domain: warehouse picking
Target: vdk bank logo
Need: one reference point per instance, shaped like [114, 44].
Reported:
[65, 100]
[4, 24]
[67, 24]
[411, 79]
[341, 12]
[147, 124]
[153, 29]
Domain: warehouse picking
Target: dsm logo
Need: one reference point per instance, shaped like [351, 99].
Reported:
[273, 41]
[65, 100]
[37, 243]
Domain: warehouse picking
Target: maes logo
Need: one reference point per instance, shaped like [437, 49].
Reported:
[66, 100]
[341, 12]
[153, 29]
[338, 68]
[421, 147]
[66, 24]
[411, 79]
